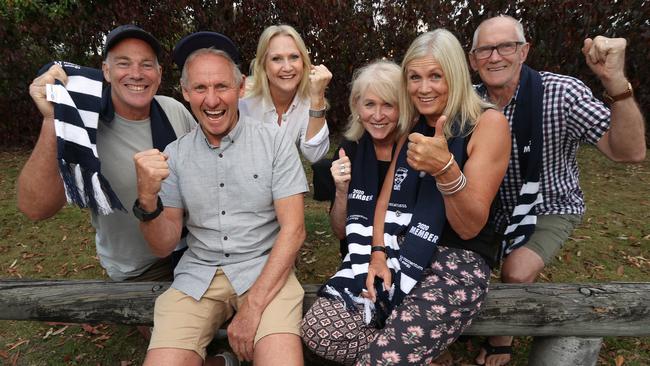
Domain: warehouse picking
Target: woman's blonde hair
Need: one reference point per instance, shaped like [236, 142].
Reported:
[259, 84]
[464, 106]
[383, 78]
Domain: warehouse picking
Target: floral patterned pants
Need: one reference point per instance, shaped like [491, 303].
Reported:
[436, 312]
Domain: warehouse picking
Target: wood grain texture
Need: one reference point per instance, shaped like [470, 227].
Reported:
[540, 309]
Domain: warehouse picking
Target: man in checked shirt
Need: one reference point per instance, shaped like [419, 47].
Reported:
[570, 115]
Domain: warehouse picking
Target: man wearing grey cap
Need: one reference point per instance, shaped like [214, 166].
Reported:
[239, 184]
[131, 120]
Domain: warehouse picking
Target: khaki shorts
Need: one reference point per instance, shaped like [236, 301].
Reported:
[550, 234]
[182, 322]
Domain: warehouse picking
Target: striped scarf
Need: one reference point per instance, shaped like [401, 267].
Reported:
[77, 105]
[413, 225]
[527, 129]
[77, 108]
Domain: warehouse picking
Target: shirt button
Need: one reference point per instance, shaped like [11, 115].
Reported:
[220, 184]
[225, 238]
[227, 255]
[223, 212]
[255, 176]
[220, 155]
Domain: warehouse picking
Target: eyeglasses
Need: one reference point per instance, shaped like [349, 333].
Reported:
[504, 49]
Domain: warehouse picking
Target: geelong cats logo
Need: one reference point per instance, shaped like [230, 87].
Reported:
[400, 175]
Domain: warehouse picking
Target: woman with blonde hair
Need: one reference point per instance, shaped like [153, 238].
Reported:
[373, 125]
[422, 258]
[286, 89]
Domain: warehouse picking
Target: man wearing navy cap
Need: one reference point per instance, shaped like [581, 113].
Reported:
[239, 185]
[131, 120]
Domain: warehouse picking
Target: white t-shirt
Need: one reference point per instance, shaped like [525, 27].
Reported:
[121, 248]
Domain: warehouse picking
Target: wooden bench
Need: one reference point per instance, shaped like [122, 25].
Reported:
[569, 318]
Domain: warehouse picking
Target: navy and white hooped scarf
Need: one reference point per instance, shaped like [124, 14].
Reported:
[527, 128]
[414, 222]
[78, 106]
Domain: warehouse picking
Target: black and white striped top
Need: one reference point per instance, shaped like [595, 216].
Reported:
[572, 115]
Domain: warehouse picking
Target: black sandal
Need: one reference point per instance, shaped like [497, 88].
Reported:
[495, 350]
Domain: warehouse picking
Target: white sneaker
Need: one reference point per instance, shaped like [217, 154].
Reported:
[229, 358]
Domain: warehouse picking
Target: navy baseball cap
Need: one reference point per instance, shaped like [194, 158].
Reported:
[130, 31]
[198, 40]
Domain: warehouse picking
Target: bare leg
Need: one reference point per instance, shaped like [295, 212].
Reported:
[523, 265]
[278, 349]
[172, 356]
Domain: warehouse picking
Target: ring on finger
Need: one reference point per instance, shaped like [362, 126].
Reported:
[342, 169]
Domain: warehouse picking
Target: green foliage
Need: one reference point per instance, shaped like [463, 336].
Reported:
[342, 34]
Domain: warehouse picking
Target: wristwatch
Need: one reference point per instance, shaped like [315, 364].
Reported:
[611, 99]
[378, 248]
[317, 114]
[143, 215]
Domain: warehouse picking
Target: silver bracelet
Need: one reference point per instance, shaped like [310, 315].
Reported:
[447, 189]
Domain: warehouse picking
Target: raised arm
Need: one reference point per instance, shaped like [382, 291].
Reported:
[625, 140]
[163, 232]
[339, 210]
[241, 331]
[316, 139]
[40, 191]
[488, 153]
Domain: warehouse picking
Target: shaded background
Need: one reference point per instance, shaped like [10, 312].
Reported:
[339, 33]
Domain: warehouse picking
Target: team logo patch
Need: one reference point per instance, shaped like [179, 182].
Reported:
[400, 175]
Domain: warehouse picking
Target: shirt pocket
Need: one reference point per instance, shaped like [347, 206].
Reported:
[253, 186]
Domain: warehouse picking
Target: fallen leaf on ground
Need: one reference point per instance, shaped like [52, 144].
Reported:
[619, 360]
[90, 329]
[4, 355]
[102, 337]
[59, 331]
[620, 270]
[13, 346]
[14, 359]
[48, 333]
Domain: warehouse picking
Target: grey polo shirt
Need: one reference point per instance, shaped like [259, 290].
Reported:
[227, 193]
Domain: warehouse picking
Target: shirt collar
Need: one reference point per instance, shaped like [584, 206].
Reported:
[227, 140]
[268, 107]
[482, 91]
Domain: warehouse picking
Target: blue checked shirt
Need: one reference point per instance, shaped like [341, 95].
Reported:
[572, 115]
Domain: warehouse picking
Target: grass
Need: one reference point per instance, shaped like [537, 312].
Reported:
[612, 244]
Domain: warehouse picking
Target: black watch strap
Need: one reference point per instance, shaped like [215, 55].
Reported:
[378, 248]
[143, 215]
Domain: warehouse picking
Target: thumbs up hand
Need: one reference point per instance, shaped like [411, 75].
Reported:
[428, 154]
[341, 171]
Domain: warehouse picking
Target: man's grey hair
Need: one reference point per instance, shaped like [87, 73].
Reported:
[519, 29]
[237, 75]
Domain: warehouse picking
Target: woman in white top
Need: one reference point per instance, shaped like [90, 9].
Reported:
[285, 88]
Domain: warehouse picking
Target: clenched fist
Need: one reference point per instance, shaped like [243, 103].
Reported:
[151, 169]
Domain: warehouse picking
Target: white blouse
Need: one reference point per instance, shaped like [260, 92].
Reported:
[294, 123]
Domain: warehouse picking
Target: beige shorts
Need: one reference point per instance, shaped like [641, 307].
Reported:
[551, 231]
[182, 322]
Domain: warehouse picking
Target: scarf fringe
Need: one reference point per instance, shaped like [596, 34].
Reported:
[88, 189]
